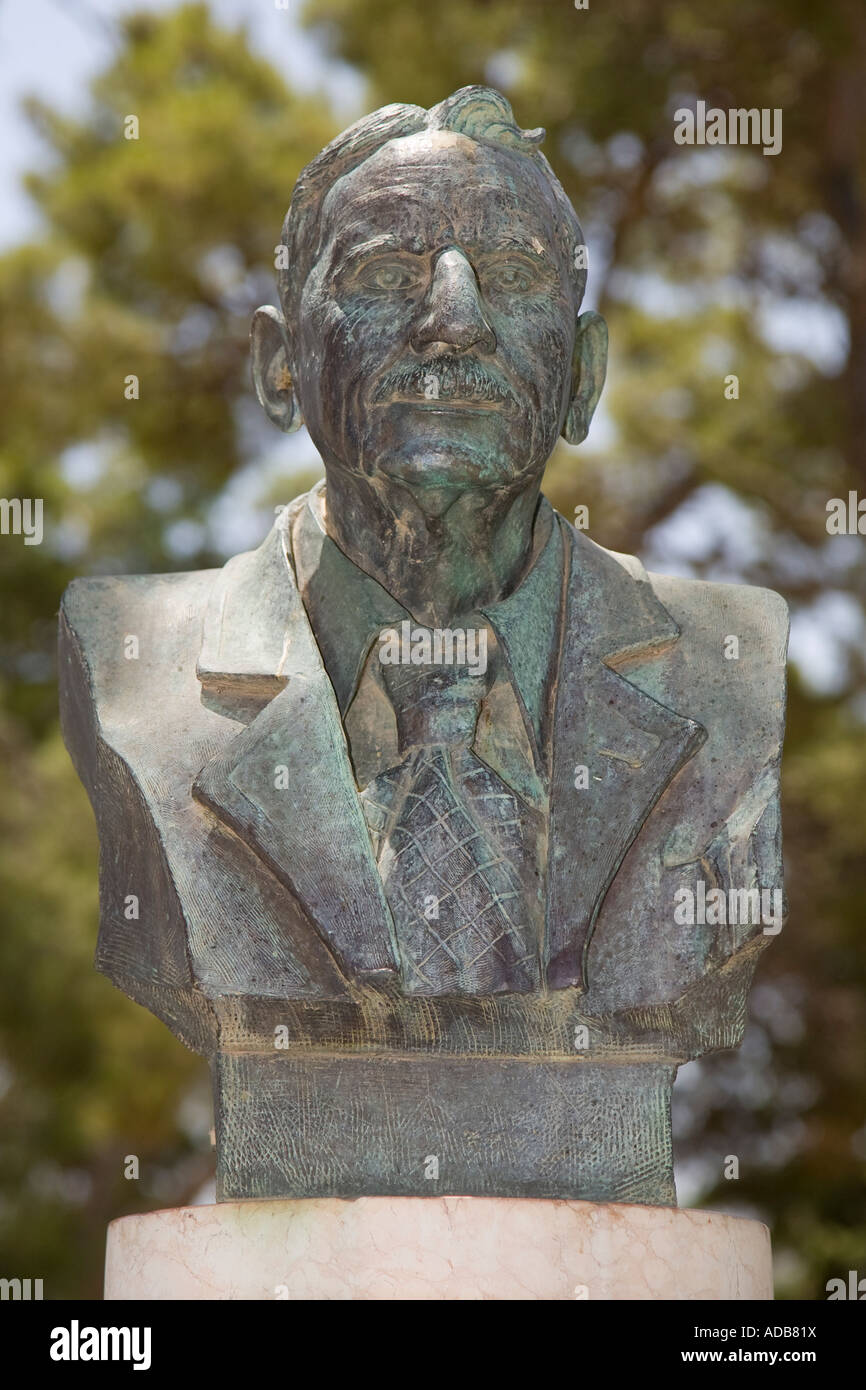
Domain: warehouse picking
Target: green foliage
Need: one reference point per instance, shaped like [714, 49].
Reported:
[88, 1079]
[154, 253]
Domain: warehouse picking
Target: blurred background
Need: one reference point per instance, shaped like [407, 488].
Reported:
[147, 256]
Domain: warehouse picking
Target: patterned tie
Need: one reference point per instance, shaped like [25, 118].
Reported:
[457, 850]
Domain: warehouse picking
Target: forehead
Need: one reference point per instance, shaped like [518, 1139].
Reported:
[439, 181]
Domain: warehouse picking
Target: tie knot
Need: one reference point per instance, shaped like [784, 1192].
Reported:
[436, 679]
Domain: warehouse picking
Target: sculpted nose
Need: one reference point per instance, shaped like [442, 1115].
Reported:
[452, 314]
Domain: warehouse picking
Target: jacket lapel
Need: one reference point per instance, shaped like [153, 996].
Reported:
[630, 745]
[285, 784]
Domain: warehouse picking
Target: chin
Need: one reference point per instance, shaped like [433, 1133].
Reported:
[434, 445]
[450, 466]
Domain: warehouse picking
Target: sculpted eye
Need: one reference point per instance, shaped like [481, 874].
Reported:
[510, 277]
[387, 276]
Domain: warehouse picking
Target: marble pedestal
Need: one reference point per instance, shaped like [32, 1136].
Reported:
[407, 1248]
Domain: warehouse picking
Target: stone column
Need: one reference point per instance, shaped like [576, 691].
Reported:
[436, 1248]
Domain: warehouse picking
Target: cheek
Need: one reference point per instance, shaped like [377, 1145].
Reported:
[546, 329]
[539, 345]
[327, 359]
[355, 336]
[372, 328]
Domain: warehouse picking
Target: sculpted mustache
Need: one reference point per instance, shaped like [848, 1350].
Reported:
[445, 378]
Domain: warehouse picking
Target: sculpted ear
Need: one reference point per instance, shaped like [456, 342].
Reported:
[588, 368]
[272, 369]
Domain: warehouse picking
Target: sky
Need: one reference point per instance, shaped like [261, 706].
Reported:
[51, 49]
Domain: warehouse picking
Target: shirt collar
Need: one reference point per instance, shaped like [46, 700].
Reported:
[348, 608]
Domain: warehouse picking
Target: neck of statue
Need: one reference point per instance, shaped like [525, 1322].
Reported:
[441, 553]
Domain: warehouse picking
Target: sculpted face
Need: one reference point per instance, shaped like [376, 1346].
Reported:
[436, 328]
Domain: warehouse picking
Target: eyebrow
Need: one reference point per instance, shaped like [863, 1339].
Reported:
[386, 241]
[531, 246]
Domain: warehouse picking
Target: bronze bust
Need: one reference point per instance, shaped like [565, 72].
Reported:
[446, 834]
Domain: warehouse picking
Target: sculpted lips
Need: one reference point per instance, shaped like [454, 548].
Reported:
[447, 381]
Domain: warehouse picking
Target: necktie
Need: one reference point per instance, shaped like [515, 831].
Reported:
[457, 849]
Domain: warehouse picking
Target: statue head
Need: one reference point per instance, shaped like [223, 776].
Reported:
[430, 333]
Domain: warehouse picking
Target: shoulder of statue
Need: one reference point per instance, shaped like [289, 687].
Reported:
[727, 670]
[98, 610]
[761, 613]
[711, 612]
[127, 649]
[125, 643]
[715, 653]
[92, 607]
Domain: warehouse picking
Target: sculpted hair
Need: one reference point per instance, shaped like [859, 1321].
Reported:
[477, 112]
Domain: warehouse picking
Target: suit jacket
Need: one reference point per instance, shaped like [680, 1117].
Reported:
[229, 903]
